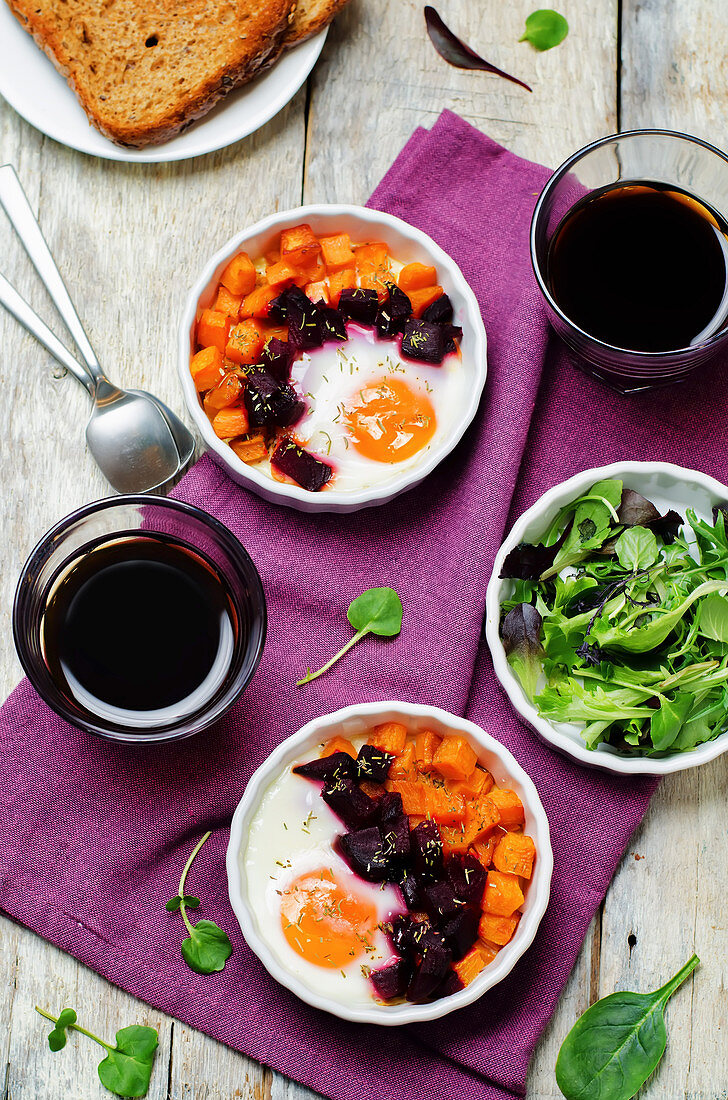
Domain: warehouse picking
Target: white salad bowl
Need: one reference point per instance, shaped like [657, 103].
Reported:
[406, 244]
[667, 486]
[354, 721]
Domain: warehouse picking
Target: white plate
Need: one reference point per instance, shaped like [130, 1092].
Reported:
[667, 486]
[354, 721]
[31, 84]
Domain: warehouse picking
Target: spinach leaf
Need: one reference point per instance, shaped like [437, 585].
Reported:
[615, 1046]
[207, 948]
[640, 639]
[453, 50]
[713, 617]
[127, 1068]
[636, 548]
[376, 611]
[595, 518]
[545, 29]
[521, 634]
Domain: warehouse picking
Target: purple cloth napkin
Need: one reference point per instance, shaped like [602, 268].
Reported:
[94, 835]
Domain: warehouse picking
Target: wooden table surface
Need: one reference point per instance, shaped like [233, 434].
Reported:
[130, 239]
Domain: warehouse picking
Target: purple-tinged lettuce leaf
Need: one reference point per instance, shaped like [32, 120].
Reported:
[521, 637]
[453, 50]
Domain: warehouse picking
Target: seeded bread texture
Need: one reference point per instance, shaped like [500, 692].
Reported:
[310, 17]
[145, 71]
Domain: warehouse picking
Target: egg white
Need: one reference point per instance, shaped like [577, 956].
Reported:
[292, 833]
[331, 378]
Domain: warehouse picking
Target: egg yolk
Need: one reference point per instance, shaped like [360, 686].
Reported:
[324, 922]
[390, 422]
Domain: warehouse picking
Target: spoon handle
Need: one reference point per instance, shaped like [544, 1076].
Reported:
[15, 203]
[22, 312]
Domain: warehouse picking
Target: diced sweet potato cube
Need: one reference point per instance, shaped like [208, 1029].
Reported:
[415, 276]
[426, 744]
[246, 342]
[341, 280]
[442, 805]
[227, 303]
[515, 854]
[476, 784]
[317, 292]
[281, 275]
[482, 816]
[312, 272]
[272, 256]
[299, 245]
[388, 736]
[228, 390]
[421, 299]
[239, 275]
[484, 847]
[413, 795]
[213, 329]
[250, 448]
[373, 268]
[338, 743]
[257, 302]
[503, 894]
[337, 252]
[206, 368]
[404, 766]
[477, 958]
[455, 839]
[498, 929]
[454, 758]
[509, 806]
[230, 422]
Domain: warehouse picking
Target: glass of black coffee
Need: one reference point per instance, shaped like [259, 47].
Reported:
[139, 619]
[629, 244]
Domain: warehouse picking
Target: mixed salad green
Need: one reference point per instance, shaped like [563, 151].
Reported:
[618, 619]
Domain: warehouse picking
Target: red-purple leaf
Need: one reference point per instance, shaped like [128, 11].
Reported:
[456, 53]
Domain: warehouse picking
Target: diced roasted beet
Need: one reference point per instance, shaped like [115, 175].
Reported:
[334, 323]
[427, 850]
[351, 803]
[440, 312]
[258, 396]
[441, 901]
[373, 763]
[396, 836]
[390, 806]
[391, 981]
[431, 972]
[328, 769]
[461, 931]
[450, 985]
[363, 850]
[308, 471]
[466, 875]
[278, 308]
[423, 341]
[305, 322]
[451, 333]
[411, 888]
[392, 315]
[288, 407]
[359, 304]
[403, 934]
[276, 357]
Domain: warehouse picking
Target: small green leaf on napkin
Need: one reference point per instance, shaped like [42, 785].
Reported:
[545, 29]
[207, 948]
[127, 1068]
[376, 611]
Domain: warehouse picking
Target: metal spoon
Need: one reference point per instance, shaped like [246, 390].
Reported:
[139, 444]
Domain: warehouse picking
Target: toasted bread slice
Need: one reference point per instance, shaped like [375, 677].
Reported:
[145, 69]
[310, 17]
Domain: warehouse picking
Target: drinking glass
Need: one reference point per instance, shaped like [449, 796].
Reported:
[138, 517]
[659, 156]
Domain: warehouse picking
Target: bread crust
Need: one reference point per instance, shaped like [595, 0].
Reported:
[139, 121]
[310, 17]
